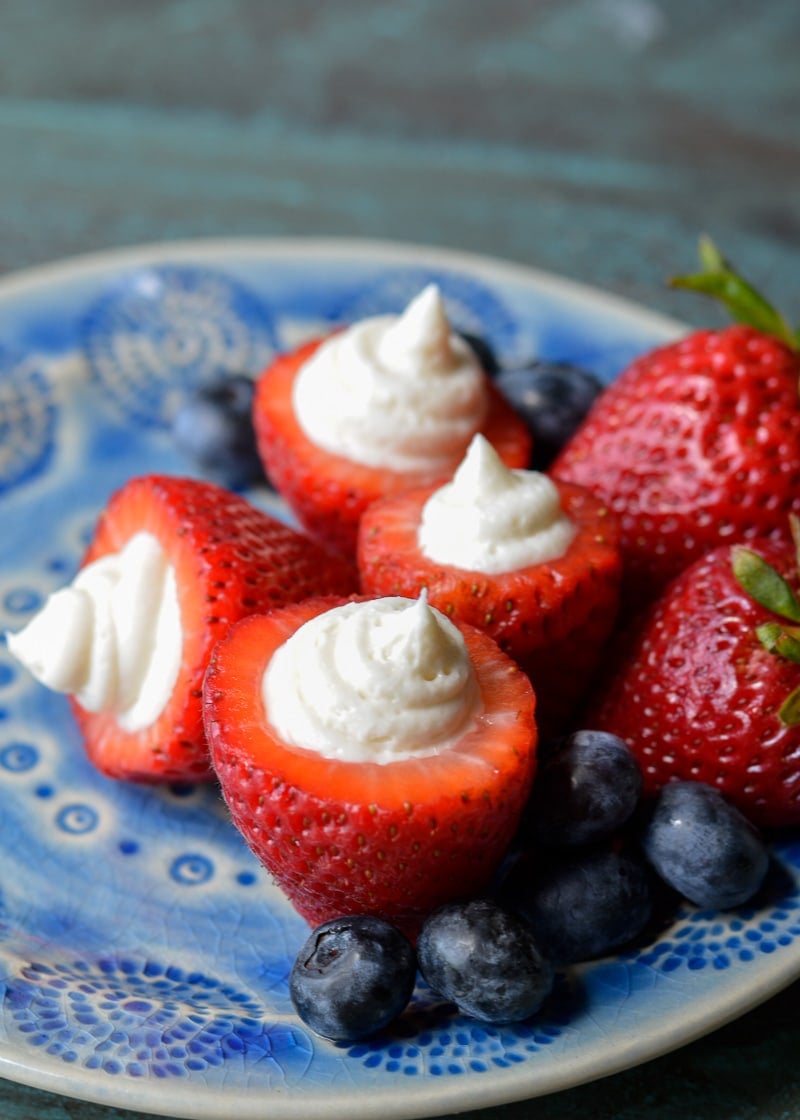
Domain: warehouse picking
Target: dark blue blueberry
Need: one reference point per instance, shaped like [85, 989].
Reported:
[581, 904]
[552, 398]
[483, 351]
[484, 959]
[213, 428]
[585, 791]
[353, 976]
[703, 847]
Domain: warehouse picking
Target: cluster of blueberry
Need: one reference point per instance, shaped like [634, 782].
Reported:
[584, 878]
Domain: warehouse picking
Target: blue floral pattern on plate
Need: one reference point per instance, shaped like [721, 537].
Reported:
[144, 954]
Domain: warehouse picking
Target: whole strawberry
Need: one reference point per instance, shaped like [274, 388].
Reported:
[707, 687]
[697, 443]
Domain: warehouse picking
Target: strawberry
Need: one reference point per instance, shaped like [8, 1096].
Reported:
[707, 685]
[698, 442]
[389, 838]
[553, 618]
[327, 492]
[230, 560]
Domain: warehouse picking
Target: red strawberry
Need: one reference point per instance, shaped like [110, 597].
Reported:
[230, 559]
[697, 443]
[393, 839]
[704, 689]
[553, 618]
[328, 493]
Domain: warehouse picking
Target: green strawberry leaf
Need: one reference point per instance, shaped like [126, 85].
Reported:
[720, 280]
[760, 580]
[789, 711]
[776, 639]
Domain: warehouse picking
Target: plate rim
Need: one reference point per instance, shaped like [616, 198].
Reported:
[87, 265]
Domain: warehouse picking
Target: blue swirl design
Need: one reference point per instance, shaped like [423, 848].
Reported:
[144, 1019]
[27, 419]
[471, 306]
[166, 329]
[192, 869]
[78, 819]
[18, 758]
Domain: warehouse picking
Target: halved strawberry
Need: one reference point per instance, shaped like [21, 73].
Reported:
[230, 560]
[394, 838]
[554, 618]
[327, 492]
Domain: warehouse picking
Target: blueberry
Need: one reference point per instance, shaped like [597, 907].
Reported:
[485, 960]
[483, 351]
[552, 398]
[582, 904]
[353, 976]
[703, 847]
[585, 791]
[213, 428]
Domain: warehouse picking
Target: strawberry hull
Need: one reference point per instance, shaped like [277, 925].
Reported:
[553, 618]
[230, 560]
[394, 839]
[328, 493]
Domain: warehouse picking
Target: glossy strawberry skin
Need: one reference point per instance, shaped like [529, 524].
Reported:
[696, 444]
[328, 493]
[554, 618]
[696, 696]
[231, 559]
[392, 839]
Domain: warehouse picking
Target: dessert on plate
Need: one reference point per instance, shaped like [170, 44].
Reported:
[532, 561]
[386, 405]
[172, 564]
[375, 756]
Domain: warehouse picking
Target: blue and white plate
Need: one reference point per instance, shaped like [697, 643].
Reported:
[143, 953]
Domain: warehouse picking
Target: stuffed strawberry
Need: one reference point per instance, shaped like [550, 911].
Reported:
[386, 406]
[697, 443]
[375, 757]
[708, 685]
[172, 564]
[533, 562]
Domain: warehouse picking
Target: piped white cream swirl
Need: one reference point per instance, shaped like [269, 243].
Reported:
[377, 681]
[492, 519]
[113, 638]
[404, 392]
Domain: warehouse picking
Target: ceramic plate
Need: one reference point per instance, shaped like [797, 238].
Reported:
[143, 953]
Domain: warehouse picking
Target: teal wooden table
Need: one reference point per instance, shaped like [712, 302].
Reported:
[593, 139]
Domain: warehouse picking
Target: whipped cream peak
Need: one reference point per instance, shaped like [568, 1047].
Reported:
[398, 392]
[490, 518]
[376, 681]
[483, 471]
[113, 638]
[420, 335]
[414, 637]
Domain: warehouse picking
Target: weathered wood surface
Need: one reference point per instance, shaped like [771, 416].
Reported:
[594, 138]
